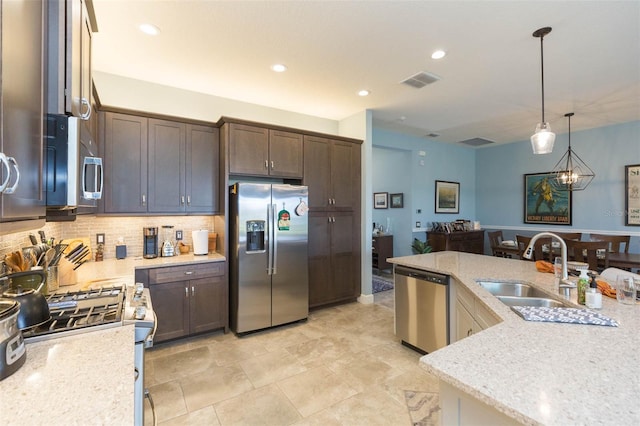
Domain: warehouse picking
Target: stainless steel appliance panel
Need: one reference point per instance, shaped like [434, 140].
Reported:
[268, 258]
[422, 308]
[289, 278]
[252, 280]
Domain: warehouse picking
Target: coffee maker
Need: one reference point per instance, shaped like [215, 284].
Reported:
[150, 242]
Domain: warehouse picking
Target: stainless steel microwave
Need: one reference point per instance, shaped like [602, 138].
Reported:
[73, 168]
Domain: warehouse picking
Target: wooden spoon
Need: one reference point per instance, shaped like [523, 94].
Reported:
[9, 260]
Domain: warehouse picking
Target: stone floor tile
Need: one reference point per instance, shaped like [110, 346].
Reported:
[168, 401]
[315, 390]
[204, 416]
[214, 385]
[271, 367]
[267, 406]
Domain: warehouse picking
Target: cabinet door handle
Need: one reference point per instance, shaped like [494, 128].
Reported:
[85, 103]
[144, 200]
[12, 188]
[193, 290]
[188, 273]
[5, 162]
[186, 291]
[272, 165]
[266, 164]
[182, 200]
[188, 200]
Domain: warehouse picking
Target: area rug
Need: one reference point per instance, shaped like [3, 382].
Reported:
[424, 408]
[381, 283]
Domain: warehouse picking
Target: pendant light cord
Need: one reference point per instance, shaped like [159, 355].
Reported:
[542, 73]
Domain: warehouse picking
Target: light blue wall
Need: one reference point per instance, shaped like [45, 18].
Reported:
[397, 168]
[492, 181]
[598, 209]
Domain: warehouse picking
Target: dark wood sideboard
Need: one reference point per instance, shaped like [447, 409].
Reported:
[467, 241]
[382, 250]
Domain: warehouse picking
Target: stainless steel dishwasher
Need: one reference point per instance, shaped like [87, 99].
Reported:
[422, 309]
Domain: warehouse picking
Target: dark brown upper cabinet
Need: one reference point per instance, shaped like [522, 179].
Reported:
[159, 166]
[258, 151]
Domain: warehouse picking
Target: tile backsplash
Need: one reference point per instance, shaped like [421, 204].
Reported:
[128, 228]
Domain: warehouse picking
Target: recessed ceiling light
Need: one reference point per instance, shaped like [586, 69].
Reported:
[279, 68]
[149, 29]
[364, 93]
[438, 54]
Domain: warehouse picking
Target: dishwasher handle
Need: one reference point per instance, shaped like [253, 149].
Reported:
[423, 275]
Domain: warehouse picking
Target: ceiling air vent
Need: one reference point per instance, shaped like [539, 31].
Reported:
[420, 79]
[432, 135]
[477, 142]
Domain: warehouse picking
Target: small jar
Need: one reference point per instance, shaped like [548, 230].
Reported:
[593, 299]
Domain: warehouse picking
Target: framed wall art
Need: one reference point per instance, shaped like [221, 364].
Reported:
[544, 203]
[632, 195]
[397, 200]
[447, 197]
[380, 200]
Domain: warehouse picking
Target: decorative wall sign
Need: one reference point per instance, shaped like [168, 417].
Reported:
[380, 200]
[447, 197]
[632, 199]
[545, 203]
[397, 200]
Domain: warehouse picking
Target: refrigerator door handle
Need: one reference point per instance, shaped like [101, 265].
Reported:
[274, 241]
[270, 239]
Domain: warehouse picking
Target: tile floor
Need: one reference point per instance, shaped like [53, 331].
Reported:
[344, 366]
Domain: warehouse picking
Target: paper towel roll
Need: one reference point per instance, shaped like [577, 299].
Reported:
[200, 242]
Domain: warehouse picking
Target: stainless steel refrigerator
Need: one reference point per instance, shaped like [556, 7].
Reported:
[268, 255]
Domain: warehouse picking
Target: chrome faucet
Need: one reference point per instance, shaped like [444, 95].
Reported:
[564, 283]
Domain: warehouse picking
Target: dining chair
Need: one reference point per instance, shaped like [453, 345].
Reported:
[616, 242]
[595, 253]
[495, 238]
[538, 251]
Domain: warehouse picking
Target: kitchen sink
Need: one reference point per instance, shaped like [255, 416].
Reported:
[517, 289]
[531, 301]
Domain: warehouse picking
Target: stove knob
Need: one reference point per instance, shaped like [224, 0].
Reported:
[140, 312]
[139, 288]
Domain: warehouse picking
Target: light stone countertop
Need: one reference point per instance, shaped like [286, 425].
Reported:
[539, 373]
[124, 269]
[76, 380]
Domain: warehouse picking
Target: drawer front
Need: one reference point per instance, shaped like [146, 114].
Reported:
[185, 272]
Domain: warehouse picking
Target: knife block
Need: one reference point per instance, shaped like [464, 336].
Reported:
[66, 274]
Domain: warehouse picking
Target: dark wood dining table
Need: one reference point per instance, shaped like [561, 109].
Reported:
[624, 260]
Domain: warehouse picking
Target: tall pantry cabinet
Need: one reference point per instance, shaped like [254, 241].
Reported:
[332, 173]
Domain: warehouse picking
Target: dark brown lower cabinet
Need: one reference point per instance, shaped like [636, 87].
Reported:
[187, 299]
[333, 254]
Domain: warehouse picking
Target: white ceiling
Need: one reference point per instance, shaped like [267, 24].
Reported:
[490, 78]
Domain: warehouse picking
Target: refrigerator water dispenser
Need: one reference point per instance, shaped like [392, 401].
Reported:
[255, 235]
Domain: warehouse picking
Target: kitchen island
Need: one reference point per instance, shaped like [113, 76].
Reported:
[83, 379]
[529, 372]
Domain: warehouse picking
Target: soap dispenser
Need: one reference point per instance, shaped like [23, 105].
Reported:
[583, 283]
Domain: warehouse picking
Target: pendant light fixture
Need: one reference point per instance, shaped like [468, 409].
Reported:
[571, 173]
[543, 138]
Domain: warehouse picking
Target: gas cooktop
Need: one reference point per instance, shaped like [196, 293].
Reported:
[73, 312]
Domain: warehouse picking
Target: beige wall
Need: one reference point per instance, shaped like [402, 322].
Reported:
[138, 95]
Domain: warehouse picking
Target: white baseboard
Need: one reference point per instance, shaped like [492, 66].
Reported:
[365, 299]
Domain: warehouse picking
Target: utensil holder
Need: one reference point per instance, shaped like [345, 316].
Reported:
[53, 283]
